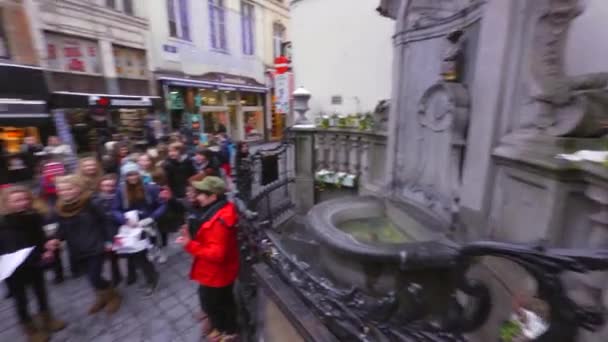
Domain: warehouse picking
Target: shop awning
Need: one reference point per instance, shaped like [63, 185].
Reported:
[17, 110]
[22, 82]
[65, 99]
[225, 86]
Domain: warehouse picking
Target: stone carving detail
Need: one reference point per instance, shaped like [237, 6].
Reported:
[564, 105]
[453, 59]
[389, 8]
[419, 14]
[443, 117]
[381, 113]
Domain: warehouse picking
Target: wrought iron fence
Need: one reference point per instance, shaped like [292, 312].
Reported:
[353, 315]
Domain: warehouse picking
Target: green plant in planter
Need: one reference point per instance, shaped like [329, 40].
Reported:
[509, 330]
[369, 121]
[324, 122]
[333, 120]
[342, 122]
[363, 124]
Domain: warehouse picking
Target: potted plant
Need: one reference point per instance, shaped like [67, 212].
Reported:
[342, 121]
[333, 120]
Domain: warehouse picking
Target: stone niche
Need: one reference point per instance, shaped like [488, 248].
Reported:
[435, 47]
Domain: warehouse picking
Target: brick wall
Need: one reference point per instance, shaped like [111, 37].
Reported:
[18, 33]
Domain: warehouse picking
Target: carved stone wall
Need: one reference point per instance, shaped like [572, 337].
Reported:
[429, 117]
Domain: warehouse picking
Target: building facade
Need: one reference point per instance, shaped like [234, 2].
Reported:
[211, 59]
[96, 61]
[346, 73]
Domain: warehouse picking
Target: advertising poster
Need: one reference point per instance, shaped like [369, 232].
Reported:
[130, 63]
[72, 54]
[282, 93]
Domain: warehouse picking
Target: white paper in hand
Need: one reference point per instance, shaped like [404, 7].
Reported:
[10, 262]
[132, 215]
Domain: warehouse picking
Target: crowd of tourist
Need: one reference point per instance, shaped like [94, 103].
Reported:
[123, 204]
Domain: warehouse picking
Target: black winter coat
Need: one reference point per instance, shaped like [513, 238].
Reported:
[86, 232]
[178, 172]
[23, 230]
[104, 205]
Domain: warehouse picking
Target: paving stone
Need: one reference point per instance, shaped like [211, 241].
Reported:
[164, 317]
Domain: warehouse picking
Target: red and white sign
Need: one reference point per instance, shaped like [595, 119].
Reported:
[72, 54]
[281, 65]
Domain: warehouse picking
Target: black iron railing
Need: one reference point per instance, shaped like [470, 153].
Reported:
[352, 315]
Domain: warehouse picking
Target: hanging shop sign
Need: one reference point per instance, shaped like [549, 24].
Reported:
[130, 63]
[72, 54]
[103, 101]
[217, 81]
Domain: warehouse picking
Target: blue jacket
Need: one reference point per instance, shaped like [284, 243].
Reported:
[152, 207]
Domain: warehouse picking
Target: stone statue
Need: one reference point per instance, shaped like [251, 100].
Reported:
[453, 60]
[381, 113]
[389, 8]
[566, 105]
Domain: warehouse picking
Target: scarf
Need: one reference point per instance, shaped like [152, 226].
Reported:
[73, 207]
[207, 213]
[106, 196]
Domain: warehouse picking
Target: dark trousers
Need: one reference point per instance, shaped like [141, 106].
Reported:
[116, 275]
[220, 307]
[164, 239]
[58, 265]
[94, 269]
[23, 278]
[140, 261]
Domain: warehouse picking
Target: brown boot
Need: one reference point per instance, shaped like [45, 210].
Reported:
[114, 301]
[101, 300]
[51, 324]
[34, 334]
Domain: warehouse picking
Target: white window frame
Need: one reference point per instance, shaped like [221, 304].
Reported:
[178, 21]
[278, 39]
[248, 28]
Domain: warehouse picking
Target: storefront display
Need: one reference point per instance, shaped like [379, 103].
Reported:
[133, 124]
[225, 103]
[92, 118]
[22, 114]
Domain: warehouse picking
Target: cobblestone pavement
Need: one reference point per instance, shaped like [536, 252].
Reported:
[165, 317]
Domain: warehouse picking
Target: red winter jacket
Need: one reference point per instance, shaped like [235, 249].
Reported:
[215, 249]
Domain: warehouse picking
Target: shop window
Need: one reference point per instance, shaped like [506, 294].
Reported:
[278, 36]
[211, 98]
[214, 122]
[250, 99]
[230, 96]
[84, 137]
[254, 125]
[247, 23]
[179, 22]
[132, 124]
[12, 137]
[4, 52]
[217, 22]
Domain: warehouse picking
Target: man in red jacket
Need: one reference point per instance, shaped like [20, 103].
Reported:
[216, 257]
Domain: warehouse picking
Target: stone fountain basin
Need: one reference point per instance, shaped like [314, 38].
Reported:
[425, 258]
